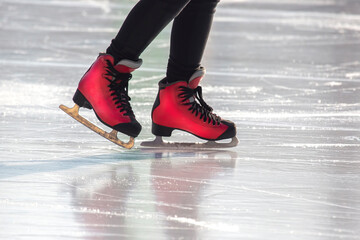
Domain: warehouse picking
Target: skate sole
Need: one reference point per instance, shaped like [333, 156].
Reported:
[158, 142]
[112, 136]
[163, 131]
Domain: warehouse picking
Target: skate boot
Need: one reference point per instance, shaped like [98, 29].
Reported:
[104, 88]
[180, 105]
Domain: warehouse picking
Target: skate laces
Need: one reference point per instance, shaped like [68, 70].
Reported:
[200, 107]
[118, 85]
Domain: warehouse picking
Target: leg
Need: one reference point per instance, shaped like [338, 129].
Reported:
[180, 104]
[142, 25]
[104, 87]
[188, 38]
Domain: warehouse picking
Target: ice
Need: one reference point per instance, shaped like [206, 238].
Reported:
[286, 72]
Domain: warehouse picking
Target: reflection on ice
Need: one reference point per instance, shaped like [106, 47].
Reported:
[111, 198]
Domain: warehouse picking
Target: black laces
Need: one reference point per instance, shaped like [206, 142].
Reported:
[199, 107]
[118, 85]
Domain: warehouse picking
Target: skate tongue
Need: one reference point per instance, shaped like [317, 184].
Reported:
[196, 78]
[127, 66]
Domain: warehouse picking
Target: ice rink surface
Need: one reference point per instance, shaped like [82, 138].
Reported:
[287, 72]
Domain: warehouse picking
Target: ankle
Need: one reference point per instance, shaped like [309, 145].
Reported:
[179, 72]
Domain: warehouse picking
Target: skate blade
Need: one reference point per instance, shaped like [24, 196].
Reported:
[158, 143]
[112, 136]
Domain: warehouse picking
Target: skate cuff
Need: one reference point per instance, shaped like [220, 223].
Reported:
[130, 64]
[195, 79]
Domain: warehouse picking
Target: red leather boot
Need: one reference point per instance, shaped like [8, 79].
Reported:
[180, 105]
[104, 88]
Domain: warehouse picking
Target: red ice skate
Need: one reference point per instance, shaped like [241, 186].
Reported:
[180, 105]
[104, 88]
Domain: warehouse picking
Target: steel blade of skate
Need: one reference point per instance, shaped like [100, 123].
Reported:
[158, 142]
[112, 136]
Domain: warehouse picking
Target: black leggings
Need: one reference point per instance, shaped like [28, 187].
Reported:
[190, 31]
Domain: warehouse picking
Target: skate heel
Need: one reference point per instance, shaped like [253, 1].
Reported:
[158, 130]
[80, 100]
